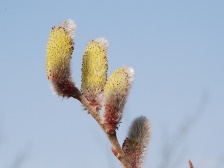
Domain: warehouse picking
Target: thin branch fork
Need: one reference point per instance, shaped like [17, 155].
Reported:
[111, 136]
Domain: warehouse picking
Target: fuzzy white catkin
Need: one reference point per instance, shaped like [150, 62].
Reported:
[140, 131]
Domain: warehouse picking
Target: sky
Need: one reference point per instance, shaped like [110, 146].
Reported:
[176, 49]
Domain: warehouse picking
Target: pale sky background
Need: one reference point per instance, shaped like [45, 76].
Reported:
[176, 49]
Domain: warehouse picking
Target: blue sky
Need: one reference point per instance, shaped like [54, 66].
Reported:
[176, 49]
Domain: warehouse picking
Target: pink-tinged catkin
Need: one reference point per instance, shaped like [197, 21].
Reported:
[135, 145]
[115, 96]
[59, 53]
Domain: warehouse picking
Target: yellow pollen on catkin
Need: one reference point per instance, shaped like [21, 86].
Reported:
[118, 82]
[94, 67]
[59, 50]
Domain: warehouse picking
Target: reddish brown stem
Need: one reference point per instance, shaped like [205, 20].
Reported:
[112, 137]
[190, 164]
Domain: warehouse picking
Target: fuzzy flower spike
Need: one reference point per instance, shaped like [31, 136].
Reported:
[59, 53]
[94, 71]
[136, 143]
[115, 96]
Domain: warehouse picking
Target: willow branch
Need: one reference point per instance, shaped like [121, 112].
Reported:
[112, 137]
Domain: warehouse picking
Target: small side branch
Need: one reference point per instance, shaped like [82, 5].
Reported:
[190, 164]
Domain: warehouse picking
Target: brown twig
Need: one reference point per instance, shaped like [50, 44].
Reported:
[190, 164]
[112, 137]
[170, 147]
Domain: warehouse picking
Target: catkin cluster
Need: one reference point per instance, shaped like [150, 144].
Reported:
[102, 93]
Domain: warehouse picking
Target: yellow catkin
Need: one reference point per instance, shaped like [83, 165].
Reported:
[59, 54]
[59, 51]
[94, 71]
[115, 96]
[117, 82]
